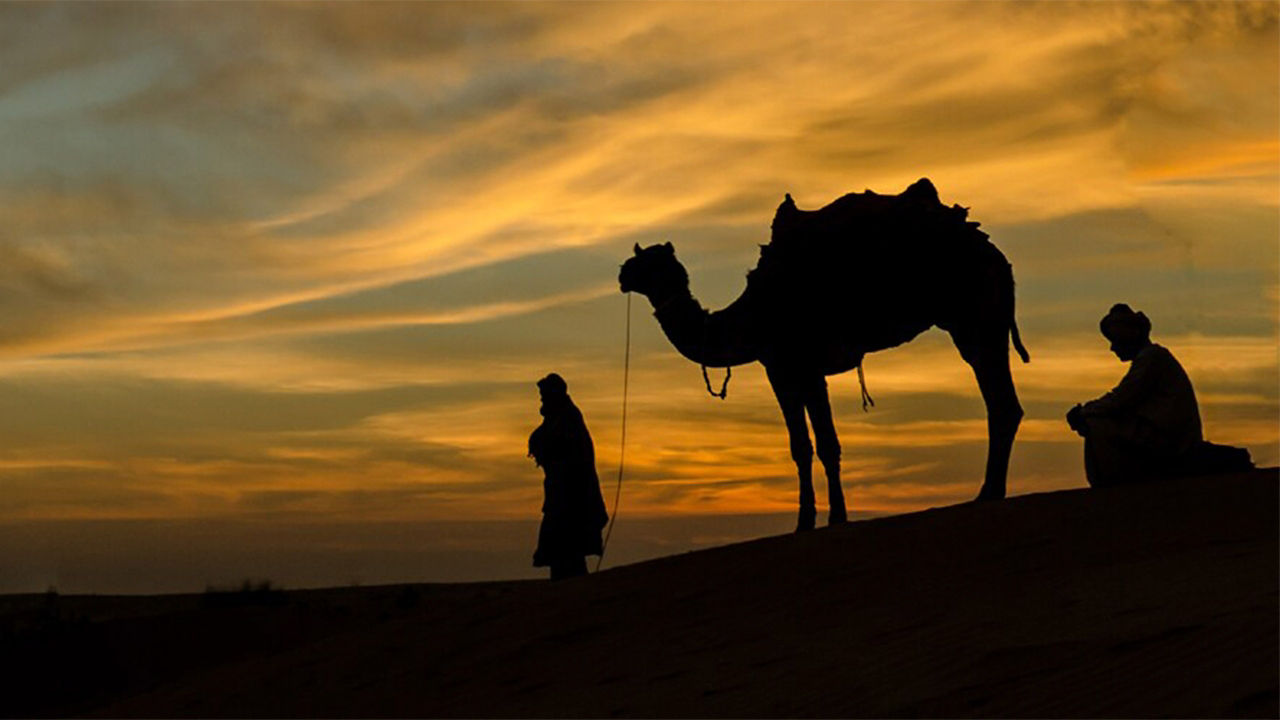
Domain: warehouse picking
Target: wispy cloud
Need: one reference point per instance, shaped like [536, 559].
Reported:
[306, 260]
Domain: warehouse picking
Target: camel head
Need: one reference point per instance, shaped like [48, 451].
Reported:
[653, 271]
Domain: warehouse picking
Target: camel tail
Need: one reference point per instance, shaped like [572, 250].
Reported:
[1013, 324]
[1017, 342]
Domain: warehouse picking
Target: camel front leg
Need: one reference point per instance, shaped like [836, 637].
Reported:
[818, 402]
[791, 400]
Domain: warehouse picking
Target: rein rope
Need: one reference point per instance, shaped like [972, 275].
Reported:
[622, 444]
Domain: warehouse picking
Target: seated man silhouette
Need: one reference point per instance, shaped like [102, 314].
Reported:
[1139, 429]
[573, 512]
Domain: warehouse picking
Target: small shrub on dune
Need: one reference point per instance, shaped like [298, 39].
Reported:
[247, 593]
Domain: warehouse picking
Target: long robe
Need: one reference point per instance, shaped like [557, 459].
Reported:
[573, 510]
[1144, 424]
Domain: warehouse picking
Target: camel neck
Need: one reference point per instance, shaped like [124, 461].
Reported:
[678, 296]
[714, 339]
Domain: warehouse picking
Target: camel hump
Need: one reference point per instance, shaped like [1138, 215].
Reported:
[922, 189]
[786, 217]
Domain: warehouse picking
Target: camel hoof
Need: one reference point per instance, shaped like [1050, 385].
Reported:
[838, 518]
[807, 520]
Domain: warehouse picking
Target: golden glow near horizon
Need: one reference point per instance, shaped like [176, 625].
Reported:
[305, 261]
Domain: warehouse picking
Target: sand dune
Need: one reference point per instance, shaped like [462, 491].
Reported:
[1149, 601]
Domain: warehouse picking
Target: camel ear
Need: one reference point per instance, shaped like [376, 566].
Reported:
[669, 248]
[637, 248]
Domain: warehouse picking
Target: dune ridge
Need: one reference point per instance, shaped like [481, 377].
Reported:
[1156, 600]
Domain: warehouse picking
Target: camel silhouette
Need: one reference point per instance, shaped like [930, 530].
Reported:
[865, 273]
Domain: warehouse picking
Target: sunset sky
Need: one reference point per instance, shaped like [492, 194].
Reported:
[294, 268]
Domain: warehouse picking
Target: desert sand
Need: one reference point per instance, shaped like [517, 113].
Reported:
[1149, 601]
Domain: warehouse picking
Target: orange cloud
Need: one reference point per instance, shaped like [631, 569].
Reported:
[305, 261]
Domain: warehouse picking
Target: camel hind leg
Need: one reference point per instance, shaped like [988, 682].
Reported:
[988, 354]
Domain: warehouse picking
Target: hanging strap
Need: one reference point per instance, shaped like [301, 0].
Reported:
[866, 396]
[724, 387]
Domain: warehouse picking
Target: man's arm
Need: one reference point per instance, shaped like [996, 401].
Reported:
[1075, 419]
[1132, 387]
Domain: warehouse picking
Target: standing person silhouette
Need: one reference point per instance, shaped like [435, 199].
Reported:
[573, 511]
[1146, 423]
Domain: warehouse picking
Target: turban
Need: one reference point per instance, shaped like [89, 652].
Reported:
[1122, 320]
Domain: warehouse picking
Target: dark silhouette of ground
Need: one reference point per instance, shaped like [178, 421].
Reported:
[1149, 424]
[1134, 601]
[865, 273]
[573, 511]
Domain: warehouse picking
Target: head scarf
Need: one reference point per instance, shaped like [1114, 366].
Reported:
[553, 384]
